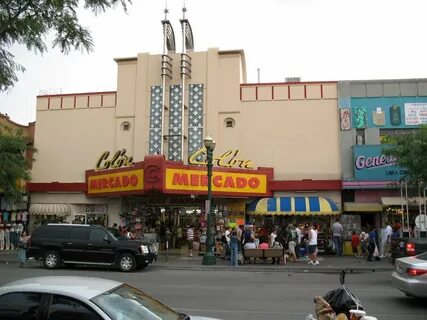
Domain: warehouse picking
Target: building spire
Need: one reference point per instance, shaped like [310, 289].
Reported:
[166, 11]
[184, 10]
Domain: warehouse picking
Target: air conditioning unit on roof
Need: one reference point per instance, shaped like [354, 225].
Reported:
[293, 79]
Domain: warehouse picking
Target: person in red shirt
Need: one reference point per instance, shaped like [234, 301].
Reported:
[355, 241]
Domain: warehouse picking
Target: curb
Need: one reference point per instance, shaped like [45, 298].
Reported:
[281, 270]
[336, 270]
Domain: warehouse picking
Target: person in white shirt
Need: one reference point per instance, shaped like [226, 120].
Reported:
[386, 240]
[190, 239]
[298, 244]
[364, 236]
[312, 245]
[227, 234]
[273, 236]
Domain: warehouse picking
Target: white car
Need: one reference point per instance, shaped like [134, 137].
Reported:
[410, 275]
[81, 298]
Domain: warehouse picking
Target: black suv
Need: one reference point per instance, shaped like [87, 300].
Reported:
[55, 244]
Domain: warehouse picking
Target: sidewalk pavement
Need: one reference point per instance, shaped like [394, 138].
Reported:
[177, 259]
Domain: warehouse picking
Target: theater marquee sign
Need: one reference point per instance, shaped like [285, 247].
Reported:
[227, 182]
[155, 174]
[125, 180]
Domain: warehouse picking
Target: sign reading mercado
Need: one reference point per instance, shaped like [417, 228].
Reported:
[117, 174]
[371, 164]
[227, 182]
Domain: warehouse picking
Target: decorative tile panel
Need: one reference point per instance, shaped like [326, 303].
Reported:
[175, 124]
[195, 118]
[156, 110]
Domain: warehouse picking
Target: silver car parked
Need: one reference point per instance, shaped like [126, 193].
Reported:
[82, 298]
[410, 275]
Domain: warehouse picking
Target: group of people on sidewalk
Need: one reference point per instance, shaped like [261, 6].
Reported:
[372, 245]
[291, 238]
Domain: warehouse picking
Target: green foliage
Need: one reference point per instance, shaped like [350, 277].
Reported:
[14, 166]
[410, 151]
[27, 22]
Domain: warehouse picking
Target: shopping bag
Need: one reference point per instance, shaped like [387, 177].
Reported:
[342, 300]
[376, 252]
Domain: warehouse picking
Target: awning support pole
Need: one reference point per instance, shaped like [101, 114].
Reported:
[407, 206]
[401, 206]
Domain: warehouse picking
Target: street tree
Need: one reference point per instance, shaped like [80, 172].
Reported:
[27, 22]
[14, 166]
[410, 151]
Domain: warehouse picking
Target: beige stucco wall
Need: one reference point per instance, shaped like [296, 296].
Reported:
[298, 138]
[292, 128]
[69, 141]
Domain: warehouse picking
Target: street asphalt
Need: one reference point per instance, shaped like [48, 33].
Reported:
[178, 260]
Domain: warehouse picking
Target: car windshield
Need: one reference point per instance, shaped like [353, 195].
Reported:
[128, 303]
[422, 256]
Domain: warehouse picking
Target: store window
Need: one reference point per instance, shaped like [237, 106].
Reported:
[229, 123]
[94, 214]
[387, 136]
[360, 136]
[125, 126]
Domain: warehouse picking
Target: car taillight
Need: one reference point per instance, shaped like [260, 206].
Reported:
[415, 272]
[410, 249]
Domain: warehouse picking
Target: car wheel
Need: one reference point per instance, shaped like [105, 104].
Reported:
[127, 262]
[52, 260]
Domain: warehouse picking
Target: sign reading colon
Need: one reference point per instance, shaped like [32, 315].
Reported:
[228, 159]
[118, 160]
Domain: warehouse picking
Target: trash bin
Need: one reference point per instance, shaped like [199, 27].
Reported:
[347, 249]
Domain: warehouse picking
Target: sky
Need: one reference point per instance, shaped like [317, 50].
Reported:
[317, 40]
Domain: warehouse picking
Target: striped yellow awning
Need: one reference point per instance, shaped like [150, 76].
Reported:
[293, 206]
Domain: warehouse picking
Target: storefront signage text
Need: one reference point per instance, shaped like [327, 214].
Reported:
[228, 159]
[370, 163]
[363, 162]
[118, 160]
[195, 180]
[115, 182]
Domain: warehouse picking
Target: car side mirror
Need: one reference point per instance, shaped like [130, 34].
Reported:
[106, 239]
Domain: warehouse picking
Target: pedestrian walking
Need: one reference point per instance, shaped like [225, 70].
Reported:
[22, 249]
[312, 245]
[298, 244]
[386, 240]
[355, 241]
[7, 237]
[1, 237]
[364, 236]
[234, 248]
[373, 244]
[292, 241]
[337, 231]
[190, 239]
